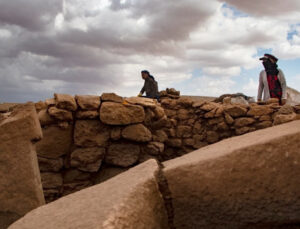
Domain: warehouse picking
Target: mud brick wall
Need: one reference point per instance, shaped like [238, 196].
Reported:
[89, 139]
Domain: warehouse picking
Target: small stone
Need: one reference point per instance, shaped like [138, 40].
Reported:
[121, 114]
[50, 165]
[123, 155]
[160, 136]
[235, 110]
[137, 132]
[44, 118]
[60, 114]
[112, 97]
[88, 102]
[154, 148]
[51, 180]
[174, 142]
[87, 159]
[87, 114]
[259, 111]
[241, 122]
[115, 133]
[212, 137]
[229, 119]
[91, 133]
[184, 131]
[64, 101]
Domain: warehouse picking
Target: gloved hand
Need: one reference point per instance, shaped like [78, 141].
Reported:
[140, 95]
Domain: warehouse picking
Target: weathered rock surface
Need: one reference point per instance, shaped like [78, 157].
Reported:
[235, 110]
[87, 114]
[55, 143]
[50, 165]
[64, 101]
[120, 114]
[247, 180]
[137, 132]
[20, 182]
[123, 155]
[60, 114]
[45, 118]
[112, 97]
[52, 180]
[135, 202]
[90, 133]
[87, 159]
[145, 102]
[259, 111]
[88, 102]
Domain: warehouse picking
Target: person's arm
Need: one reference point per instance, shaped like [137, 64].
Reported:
[283, 87]
[260, 87]
[143, 90]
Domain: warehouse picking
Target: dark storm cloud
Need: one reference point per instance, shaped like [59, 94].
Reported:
[30, 14]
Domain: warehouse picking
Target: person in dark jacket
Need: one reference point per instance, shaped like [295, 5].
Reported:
[150, 86]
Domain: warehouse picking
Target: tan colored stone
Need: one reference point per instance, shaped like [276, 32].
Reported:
[111, 97]
[284, 118]
[108, 172]
[136, 202]
[260, 111]
[209, 106]
[41, 105]
[212, 137]
[55, 143]
[247, 180]
[60, 114]
[65, 101]
[153, 148]
[20, 182]
[244, 130]
[197, 104]
[120, 114]
[161, 123]
[145, 102]
[184, 131]
[52, 180]
[264, 124]
[44, 118]
[265, 118]
[241, 122]
[229, 119]
[170, 113]
[74, 175]
[185, 101]
[137, 132]
[174, 142]
[235, 110]
[50, 102]
[197, 128]
[87, 159]
[286, 109]
[122, 154]
[50, 165]
[159, 112]
[223, 126]
[183, 114]
[115, 133]
[91, 133]
[160, 136]
[88, 102]
[87, 114]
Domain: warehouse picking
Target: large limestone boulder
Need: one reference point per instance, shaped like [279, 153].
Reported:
[90, 133]
[137, 132]
[88, 102]
[122, 154]
[247, 180]
[20, 181]
[121, 114]
[65, 101]
[55, 143]
[129, 200]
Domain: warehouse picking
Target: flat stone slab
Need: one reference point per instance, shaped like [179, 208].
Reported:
[247, 180]
[20, 181]
[129, 200]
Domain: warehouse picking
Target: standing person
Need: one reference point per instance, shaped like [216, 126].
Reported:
[150, 86]
[272, 82]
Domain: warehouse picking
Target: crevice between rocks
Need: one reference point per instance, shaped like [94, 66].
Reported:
[166, 195]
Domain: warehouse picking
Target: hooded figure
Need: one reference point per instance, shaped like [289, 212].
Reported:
[150, 86]
[272, 82]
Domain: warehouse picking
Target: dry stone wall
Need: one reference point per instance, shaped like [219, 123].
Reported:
[89, 139]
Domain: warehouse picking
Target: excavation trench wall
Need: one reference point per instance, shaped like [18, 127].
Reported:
[89, 139]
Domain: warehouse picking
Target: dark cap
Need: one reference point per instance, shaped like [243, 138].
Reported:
[268, 56]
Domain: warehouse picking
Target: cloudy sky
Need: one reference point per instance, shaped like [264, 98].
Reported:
[199, 47]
